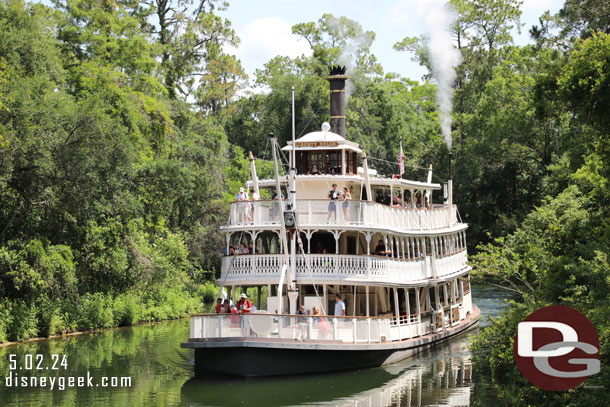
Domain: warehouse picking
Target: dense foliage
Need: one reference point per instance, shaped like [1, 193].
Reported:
[111, 187]
[123, 134]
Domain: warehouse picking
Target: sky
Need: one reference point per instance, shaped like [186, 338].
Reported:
[264, 27]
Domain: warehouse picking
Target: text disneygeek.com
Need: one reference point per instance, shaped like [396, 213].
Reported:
[62, 382]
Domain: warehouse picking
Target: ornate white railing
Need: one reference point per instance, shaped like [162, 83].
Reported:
[356, 213]
[265, 268]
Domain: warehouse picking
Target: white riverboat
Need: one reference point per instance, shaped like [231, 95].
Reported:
[395, 257]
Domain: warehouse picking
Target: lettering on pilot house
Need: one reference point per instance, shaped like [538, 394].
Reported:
[317, 144]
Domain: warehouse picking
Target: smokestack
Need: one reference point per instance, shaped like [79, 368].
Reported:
[337, 79]
[450, 166]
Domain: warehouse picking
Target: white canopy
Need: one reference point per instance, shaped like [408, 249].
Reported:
[322, 140]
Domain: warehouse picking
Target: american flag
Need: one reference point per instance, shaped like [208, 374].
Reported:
[401, 160]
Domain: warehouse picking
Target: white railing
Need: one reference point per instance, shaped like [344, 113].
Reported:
[357, 213]
[306, 327]
[265, 268]
[321, 328]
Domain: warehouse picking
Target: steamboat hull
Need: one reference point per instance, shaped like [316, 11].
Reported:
[251, 357]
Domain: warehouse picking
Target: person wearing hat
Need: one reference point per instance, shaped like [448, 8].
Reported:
[242, 207]
[244, 305]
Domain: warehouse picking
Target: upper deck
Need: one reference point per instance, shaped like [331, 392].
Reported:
[358, 215]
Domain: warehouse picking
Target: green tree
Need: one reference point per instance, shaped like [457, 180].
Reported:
[189, 35]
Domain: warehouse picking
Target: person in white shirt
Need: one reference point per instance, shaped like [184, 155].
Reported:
[242, 207]
[339, 306]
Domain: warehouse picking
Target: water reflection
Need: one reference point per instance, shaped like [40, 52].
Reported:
[162, 373]
[441, 376]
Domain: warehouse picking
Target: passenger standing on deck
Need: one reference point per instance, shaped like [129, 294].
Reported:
[333, 195]
[347, 196]
[302, 322]
[244, 306]
[242, 206]
[339, 306]
[219, 309]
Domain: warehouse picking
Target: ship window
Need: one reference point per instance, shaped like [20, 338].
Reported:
[302, 162]
[333, 162]
[316, 162]
[352, 163]
[348, 164]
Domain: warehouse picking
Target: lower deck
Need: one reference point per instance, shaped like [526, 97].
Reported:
[262, 356]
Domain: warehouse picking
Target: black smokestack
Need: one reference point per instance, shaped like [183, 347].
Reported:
[337, 78]
[450, 166]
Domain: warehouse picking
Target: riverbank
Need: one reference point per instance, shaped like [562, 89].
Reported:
[20, 322]
[161, 372]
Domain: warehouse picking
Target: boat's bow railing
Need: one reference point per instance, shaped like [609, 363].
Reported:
[348, 329]
[313, 212]
[291, 327]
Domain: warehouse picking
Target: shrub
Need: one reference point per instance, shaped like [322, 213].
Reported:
[23, 322]
[5, 320]
[127, 309]
[50, 319]
[207, 292]
[96, 312]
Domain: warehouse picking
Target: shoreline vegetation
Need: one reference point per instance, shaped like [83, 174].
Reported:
[123, 140]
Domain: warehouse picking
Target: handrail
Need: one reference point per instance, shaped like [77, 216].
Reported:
[298, 315]
[433, 207]
[372, 255]
[348, 213]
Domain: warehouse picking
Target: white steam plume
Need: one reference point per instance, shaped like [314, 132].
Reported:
[350, 52]
[444, 57]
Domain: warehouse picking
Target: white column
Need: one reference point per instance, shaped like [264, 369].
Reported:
[292, 298]
[308, 235]
[407, 305]
[418, 303]
[385, 238]
[325, 291]
[354, 302]
[396, 307]
[368, 236]
[367, 301]
[336, 235]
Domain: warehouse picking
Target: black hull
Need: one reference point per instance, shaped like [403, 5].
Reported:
[248, 358]
[248, 362]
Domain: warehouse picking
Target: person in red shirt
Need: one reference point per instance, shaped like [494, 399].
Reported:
[243, 305]
[219, 309]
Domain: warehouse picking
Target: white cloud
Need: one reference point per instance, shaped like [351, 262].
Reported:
[265, 38]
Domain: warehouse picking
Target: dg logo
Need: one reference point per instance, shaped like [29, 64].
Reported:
[556, 348]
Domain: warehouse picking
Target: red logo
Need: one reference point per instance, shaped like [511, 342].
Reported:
[556, 348]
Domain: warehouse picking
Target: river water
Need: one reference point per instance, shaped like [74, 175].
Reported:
[161, 373]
